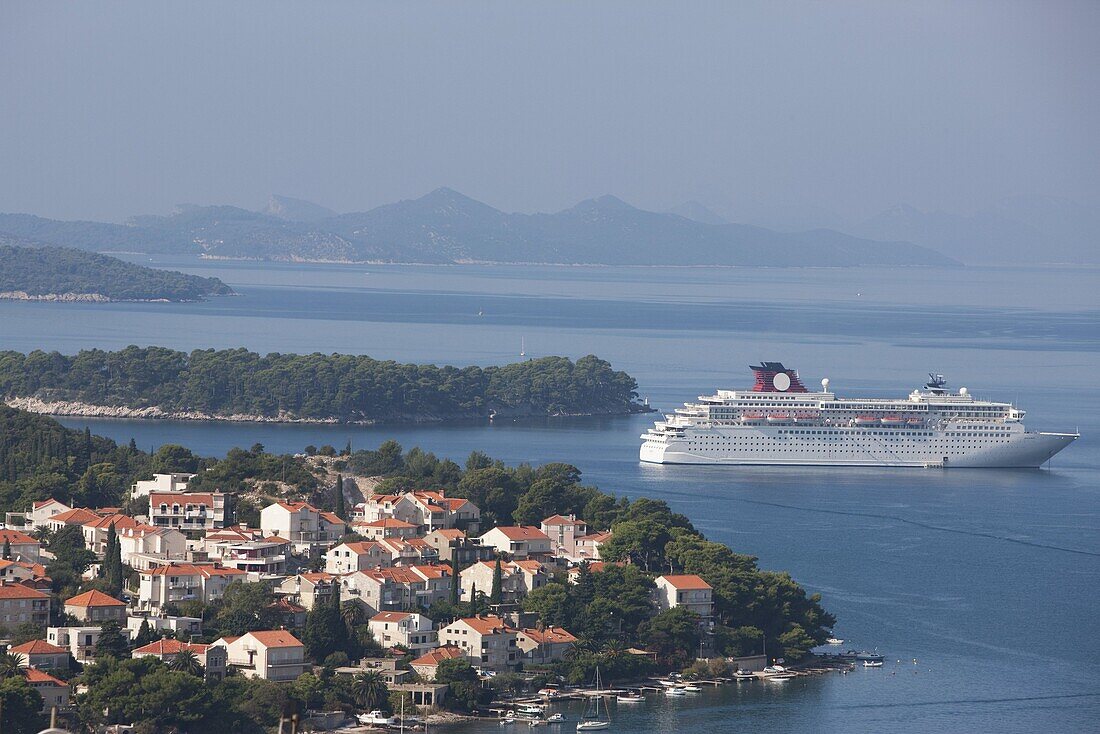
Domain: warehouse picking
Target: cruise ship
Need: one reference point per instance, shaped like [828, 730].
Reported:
[780, 422]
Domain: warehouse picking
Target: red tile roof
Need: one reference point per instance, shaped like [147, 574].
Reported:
[16, 538]
[94, 598]
[686, 581]
[438, 655]
[522, 532]
[487, 625]
[390, 616]
[562, 520]
[35, 676]
[38, 647]
[549, 635]
[75, 516]
[276, 638]
[182, 498]
[386, 522]
[18, 591]
[170, 647]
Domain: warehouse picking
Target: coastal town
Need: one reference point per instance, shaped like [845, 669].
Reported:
[413, 574]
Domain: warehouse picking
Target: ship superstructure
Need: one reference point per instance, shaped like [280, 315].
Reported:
[779, 421]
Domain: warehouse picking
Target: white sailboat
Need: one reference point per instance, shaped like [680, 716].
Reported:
[522, 346]
[592, 721]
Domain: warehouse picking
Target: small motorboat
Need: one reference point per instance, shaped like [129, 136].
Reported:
[692, 688]
[668, 683]
[592, 725]
[873, 657]
[377, 718]
[530, 709]
[555, 719]
[675, 691]
[872, 663]
[630, 697]
[744, 675]
[782, 678]
[834, 641]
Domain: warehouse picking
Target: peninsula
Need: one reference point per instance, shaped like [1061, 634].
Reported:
[46, 273]
[239, 385]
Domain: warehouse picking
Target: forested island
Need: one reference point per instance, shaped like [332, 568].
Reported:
[236, 384]
[67, 274]
[611, 610]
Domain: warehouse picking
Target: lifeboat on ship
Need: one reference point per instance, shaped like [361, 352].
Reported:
[779, 418]
[865, 420]
[752, 417]
[893, 420]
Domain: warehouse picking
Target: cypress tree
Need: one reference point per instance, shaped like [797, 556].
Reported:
[7, 549]
[473, 600]
[496, 594]
[456, 593]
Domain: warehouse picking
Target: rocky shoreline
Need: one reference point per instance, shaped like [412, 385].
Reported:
[76, 408]
[80, 298]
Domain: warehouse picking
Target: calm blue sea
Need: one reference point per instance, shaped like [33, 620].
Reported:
[981, 587]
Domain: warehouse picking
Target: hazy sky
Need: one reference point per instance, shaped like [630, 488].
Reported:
[112, 109]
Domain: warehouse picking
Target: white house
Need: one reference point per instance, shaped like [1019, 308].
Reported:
[392, 589]
[487, 641]
[387, 527]
[307, 528]
[271, 654]
[42, 511]
[356, 556]
[686, 590]
[79, 641]
[413, 632]
[518, 541]
[213, 658]
[160, 483]
[54, 692]
[587, 547]
[141, 544]
[518, 578]
[428, 510]
[184, 582]
[187, 510]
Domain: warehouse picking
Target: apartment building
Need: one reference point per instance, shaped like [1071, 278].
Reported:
[95, 606]
[520, 542]
[187, 511]
[271, 654]
[686, 590]
[488, 642]
[19, 604]
[408, 630]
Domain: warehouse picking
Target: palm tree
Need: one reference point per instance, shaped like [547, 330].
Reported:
[186, 661]
[10, 664]
[369, 689]
[351, 612]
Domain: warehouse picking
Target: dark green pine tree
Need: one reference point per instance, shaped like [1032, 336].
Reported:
[112, 563]
[340, 510]
[496, 594]
[473, 600]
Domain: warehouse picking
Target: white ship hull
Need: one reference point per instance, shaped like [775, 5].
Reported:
[765, 446]
[779, 422]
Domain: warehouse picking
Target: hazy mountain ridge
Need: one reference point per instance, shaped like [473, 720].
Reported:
[446, 226]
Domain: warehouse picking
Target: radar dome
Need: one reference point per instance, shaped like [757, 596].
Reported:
[962, 391]
[825, 384]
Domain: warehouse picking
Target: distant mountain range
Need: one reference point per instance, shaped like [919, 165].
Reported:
[445, 226]
[1020, 230]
